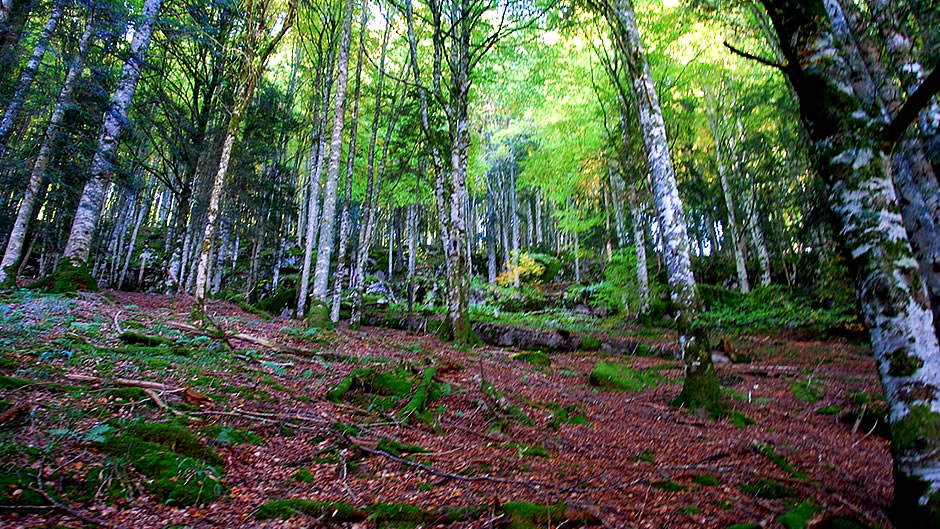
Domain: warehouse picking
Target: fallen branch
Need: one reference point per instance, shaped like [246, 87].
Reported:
[257, 340]
[123, 382]
[158, 400]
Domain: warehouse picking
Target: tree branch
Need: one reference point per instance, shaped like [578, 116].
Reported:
[765, 62]
[908, 113]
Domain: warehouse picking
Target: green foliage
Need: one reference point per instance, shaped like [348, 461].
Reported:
[668, 486]
[572, 414]
[397, 448]
[525, 450]
[769, 308]
[768, 451]
[303, 475]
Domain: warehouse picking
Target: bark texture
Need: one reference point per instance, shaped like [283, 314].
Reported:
[849, 154]
[89, 206]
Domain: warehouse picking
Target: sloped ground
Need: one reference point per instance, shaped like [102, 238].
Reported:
[497, 428]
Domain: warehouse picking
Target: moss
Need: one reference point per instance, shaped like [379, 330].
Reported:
[590, 343]
[124, 395]
[24, 481]
[395, 448]
[303, 475]
[843, 522]
[229, 435]
[180, 469]
[68, 278]
[642, 349]
[521, 515]
[706, 480]
[903, 364]
[920, 426]
[8, 362]
[745, 525]
[573, 414]
[426, 392]
[767, 489]
[809, 390]
[533, 357]
[647, 455]
[319, 315]
[611, 375]
[397, 514]
[524, 450]
[768, 451]
[251, 309]
[739, 419]
[799, 517]
[459, 514]
[700, 391]
[13, 382]
[667, 486]
[333, 511]
[832, 409]
[346, 429]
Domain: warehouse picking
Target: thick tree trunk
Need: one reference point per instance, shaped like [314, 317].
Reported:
[29, 73]
[700, 389]
[328, 215]
[89, 206]
[27, 204]
[846, 137]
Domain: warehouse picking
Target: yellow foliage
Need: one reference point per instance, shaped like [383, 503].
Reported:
[529, 271]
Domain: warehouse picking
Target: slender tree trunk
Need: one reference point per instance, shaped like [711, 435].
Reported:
[53, 130]
[737, 244]
[29, 73]
[757, 235]
[514, 218]
[639, 244]
[851, 157]
[491, 229]
[328, 216]
[341, 273]
[89, 207]
[700, 389]
[142, 214]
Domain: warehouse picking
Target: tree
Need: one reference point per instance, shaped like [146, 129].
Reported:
[89, 208]
[851, 154]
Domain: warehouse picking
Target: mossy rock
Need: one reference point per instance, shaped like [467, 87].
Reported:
[590, 343]
[67, 279]
[612, 375]
[533, 357]
[180, 469]
[319, 315]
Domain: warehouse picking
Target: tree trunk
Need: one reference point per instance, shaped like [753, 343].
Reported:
[145, 202]
[514, 219]
[849, 153]
[27, 204]
[700, 389]
[328, 216]
[737, 244]
[341, 274]
[639, 244]
[89, 206]
[29, 73]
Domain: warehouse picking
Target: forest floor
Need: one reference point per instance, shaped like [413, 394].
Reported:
[381, 428]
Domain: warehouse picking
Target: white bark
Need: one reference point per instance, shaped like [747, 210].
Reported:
[639, 242]
[27, 203]
[328, 216]
[89, 206]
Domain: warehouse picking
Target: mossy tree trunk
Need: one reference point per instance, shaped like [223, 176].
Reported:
[700, 389]
[852, 158]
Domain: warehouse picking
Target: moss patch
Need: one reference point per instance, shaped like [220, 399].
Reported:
[590, 343]
[706, 480]
[799, 517]
[767, 489]
[521, 515]
[768, 451]
[229, 435]
[533, 357]
[808, 390]
[396, 448]
[572, 414]
[180, 469]
[68, 278]
[333, 511]
[611, 375]
[524, 450]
